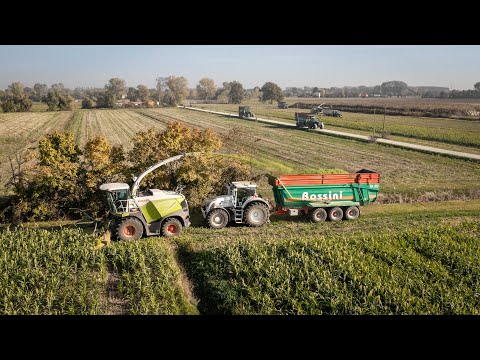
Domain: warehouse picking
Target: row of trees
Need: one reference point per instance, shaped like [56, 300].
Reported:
[173, 90]
[170, 91]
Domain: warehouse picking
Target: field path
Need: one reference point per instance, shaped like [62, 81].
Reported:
[423, 148]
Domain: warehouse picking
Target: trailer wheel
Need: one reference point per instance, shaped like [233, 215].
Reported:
[217, 219]
[335, 214]
[352, 213]
[171, 227]
[318, 215]
[129, 229]
[256, 215]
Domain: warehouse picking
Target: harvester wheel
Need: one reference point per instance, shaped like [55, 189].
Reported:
[335, 214]
[318, 215]
[256, 215]
[171, 227]
[352, 213]
[129, 229]
[217, 219]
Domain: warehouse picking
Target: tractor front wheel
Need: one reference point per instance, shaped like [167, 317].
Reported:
[256, 215]
[217, 219]
[171, 227]
[129, 229]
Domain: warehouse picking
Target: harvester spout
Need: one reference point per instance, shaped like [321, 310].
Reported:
[137, 181]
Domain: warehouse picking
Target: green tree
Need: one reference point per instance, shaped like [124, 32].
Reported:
[132, 94]
[88, 103]
[57, 101]
[178, 87]
[477, 86]
[117, 87]
[143, 93]
[394, 88]
[161, 87]
[15, 99]
[206, 88]
[106, 99]
[39, 91]
[236, 93]
[271, 91]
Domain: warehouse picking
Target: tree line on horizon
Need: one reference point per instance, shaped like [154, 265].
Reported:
[173, 90]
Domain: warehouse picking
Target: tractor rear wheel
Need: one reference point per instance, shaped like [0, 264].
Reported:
[335, 214]
[129, 229]
[351, 213]
[171, 227]
[318, 215]
[217, 219]
[256, 215]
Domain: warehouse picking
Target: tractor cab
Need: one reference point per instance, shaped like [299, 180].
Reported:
[241, 191]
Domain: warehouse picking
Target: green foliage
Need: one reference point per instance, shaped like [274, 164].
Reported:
[15, 99]
[394, 88]
[106, 100]
[143, 93]
[271, 91]
[477, 86]
[63, 177]
[178, 90]
[427, 270]
[116, 87]
[202, 175]
[236, 93]
[88, 103]
[206, 88]
[57, 101]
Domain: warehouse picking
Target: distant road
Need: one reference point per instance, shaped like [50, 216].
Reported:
[423, 148]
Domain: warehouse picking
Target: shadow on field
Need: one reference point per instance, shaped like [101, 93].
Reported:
[196, 267]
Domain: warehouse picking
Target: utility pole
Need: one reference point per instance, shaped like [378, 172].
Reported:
[384, 113]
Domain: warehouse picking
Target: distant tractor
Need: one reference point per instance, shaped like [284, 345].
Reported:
[331, 112]
[241, 205]
[244, 112]
[151, 212]
[282, 105]
[308, 121]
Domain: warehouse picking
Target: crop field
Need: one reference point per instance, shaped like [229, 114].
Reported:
[406, 255]
[118, 126]
[395, 259]
[62, 272]
[22, 130]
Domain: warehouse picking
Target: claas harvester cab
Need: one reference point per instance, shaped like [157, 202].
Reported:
[244, 112]
[150, 212]
[241, 205]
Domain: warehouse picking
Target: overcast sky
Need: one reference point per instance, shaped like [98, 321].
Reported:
[450, 66]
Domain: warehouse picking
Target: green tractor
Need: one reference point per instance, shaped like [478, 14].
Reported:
[151, 212]
[244, 112]
[308, 121]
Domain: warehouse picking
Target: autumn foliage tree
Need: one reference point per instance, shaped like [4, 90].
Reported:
[61, 176]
